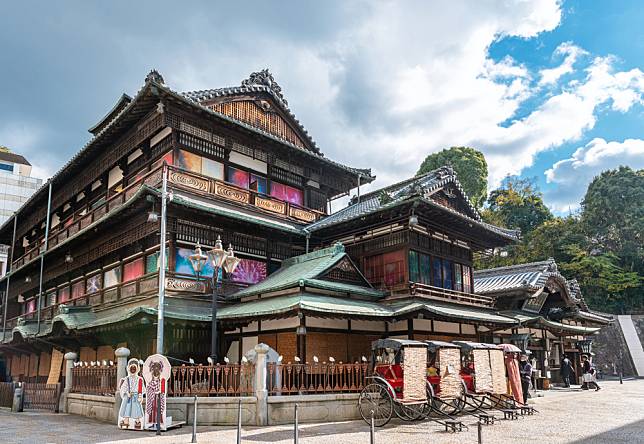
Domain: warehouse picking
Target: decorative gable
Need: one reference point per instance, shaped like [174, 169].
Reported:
[261, 114]
[345, 271]
[450, 196]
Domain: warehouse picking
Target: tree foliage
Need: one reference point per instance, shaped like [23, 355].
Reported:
[518, 204]
[601, 246]
[469, 165]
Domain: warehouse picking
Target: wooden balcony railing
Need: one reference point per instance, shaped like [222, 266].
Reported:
[212, 380]
[94, 380]
[440, 294]
[293, 379]
[145, 285]
[224, 190]
[82, 219]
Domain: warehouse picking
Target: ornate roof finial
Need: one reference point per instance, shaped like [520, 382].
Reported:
[264, 78]
[154, 76]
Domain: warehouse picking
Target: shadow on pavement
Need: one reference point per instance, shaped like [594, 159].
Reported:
[630, 433]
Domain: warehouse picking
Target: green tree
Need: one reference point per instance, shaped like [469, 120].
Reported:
[470, 166]
[517, 204]
[613, 215]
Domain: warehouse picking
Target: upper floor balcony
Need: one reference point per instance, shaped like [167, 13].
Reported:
[178, 179]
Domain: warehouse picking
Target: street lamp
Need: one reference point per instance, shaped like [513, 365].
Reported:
[219, 258]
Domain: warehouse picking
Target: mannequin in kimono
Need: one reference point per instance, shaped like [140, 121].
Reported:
[131, 389]
[155, 394]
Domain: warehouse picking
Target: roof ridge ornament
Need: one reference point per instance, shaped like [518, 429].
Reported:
[154, 76]
[264, 78]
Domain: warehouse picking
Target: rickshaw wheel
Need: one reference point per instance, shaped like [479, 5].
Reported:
[377, 399]
[451, 407]
[412, 412]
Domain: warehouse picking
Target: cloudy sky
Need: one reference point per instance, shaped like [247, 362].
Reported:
[546, 89]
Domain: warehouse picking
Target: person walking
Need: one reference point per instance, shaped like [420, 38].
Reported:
[588, 376]
[525, 370]
[566, 371]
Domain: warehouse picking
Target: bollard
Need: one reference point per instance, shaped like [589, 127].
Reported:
[194, 423]
[621, 381]
[373, 430]
[159, 414]
[296, 433]
[480, 430]
[239, 423]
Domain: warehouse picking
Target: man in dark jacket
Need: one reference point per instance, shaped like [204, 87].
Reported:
[566, 370]
[525, 370]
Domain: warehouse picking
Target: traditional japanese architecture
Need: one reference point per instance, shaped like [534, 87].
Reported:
[553, 315]
[235, 163]
[85, 248]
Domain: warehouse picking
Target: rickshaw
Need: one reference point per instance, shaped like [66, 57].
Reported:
[399, 384]
[444, 377]
[484, 375]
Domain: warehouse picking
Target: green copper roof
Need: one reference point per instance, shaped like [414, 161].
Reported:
[306, 271]
[533, 319]
[451, 311]
[325, 305]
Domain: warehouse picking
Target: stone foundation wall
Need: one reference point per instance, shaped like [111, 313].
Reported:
[313, 408]
[213, 411]
[91, 406]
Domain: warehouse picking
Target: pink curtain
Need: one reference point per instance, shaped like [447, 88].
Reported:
[513, 375]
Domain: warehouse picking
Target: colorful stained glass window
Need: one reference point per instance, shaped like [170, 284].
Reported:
[51, 299]
[425, 269]
[287, 193]
[458, 277]
[437, 274]
[31, 306]
[212, 168]
[189, 161]
[151, 262]
[133, 270]
[94, 284]
[447, 274]
[249, 271]
[78, 289]
[112, 277]
[467, 279]
[63, 295]
[184, 266]
[414, 269]
[258, 183]
[167, 157]
[238, 177]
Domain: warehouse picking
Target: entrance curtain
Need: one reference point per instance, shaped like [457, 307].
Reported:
[513, 375]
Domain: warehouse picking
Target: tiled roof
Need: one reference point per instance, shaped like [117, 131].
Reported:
[307, 270]
[419, 187]
[531, 277]
[261, 81]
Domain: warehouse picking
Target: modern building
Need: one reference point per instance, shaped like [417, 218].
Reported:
[16, 186]
[397, 262]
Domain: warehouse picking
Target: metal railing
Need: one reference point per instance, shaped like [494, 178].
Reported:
[6, 394]
[96, 380]
[293, 379]
[212, 380]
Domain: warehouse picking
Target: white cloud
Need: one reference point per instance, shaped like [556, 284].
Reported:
[573, 175]
[26, 138]
[571, 52]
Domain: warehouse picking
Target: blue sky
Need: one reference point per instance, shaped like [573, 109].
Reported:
[546, 89]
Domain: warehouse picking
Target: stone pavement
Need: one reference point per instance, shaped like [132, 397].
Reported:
[613, 415]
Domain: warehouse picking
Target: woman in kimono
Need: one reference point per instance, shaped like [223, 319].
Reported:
[155, 394]
[131, 390]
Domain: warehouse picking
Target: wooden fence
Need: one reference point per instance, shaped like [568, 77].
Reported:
[293, 379]
[212, 380]
[98, 380]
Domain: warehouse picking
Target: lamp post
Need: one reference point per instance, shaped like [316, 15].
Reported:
[219, 259]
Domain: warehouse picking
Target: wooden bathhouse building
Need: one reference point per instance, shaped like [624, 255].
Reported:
[237, 164]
